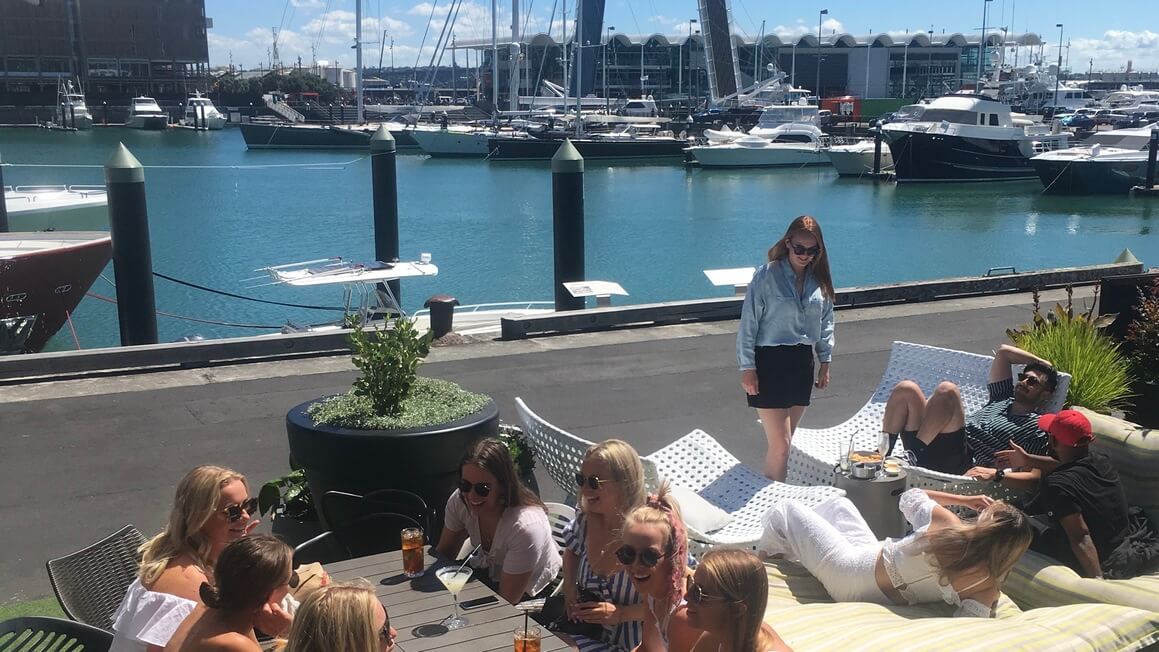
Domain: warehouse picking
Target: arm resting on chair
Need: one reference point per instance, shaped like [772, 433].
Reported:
[1081, 544]
[1007, 355]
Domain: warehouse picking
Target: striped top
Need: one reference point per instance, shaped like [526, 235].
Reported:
[992, 427]
[617, 588]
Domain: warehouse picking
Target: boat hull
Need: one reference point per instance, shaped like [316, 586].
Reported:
[40, 288]
[281, 136]
[758, 157]
[919, 156]
[57, 211]
[148, 122]
[536, 149]
[451, 144]
[856, 162]
[1090, 176]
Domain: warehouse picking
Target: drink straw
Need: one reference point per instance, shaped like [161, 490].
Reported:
[525, 629]
[469, 555]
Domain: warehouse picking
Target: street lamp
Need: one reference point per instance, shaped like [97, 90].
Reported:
[690, 22]
[1058, 72]
[904, 66]
[793, 74]
[607, 102]
[823, 12]
[982, 46]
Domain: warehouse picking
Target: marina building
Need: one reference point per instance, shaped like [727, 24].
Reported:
[673, 67]
[116, 48]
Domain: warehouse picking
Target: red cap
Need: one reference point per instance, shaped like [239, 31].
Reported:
[1069, 427]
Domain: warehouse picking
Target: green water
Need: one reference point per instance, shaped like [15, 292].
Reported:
[652, 228]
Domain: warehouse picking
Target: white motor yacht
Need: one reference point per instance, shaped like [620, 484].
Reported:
[1110, 162]
[856, 159]
[72, 111]
[145, 113]
[758, 152]
[200, 113]
[56, 208]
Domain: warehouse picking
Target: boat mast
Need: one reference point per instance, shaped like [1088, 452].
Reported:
[579, 68]
[494, 62]
[516, 46]
[358, 57]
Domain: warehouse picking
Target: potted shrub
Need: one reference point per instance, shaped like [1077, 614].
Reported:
[1142, 343]
[290, 505]
[393, 428]
[1074, 343]
[521, 454]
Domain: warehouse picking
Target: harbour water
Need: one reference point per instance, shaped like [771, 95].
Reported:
[218, 212]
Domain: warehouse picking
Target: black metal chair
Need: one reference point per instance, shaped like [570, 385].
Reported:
[325, 548]
[91, 582]
[371, 534]
[39, 633]
[339, 507]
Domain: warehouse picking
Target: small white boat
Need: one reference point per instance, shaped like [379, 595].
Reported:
[72, 110]
[459, 140]
[759, 152]
[200, 113]
[57, 208]
[145, 113]
[856, 159]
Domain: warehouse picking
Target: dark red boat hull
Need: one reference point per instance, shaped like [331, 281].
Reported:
[40, 288]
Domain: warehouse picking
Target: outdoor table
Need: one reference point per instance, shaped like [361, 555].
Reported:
[417, 606]
[877, 500]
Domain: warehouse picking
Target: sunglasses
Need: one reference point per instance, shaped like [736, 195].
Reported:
[294, 580]
[384, 633]
[592, 481]
[482, 489]
[1031, 381]
[235, 511]
[805, 251]
[627, 555]
[695, 595]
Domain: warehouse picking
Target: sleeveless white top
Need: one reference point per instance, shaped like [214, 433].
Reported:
[147, 618]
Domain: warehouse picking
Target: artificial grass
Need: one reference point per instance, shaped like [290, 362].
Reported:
[42, 607]
[432, 402]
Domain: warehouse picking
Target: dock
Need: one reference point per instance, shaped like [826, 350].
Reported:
[80, 458]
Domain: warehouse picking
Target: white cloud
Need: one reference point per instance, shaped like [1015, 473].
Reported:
[307, 4]
[1114, 50]
[829, 27]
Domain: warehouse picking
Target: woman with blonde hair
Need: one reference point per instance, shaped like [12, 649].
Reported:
[726, 600]
[945, 559]
[655, 555]
[253, 575]
[597, 590]
[211, 508]
[344, 617]
[787, 315]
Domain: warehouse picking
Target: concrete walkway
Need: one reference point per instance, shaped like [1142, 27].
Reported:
[79, 459]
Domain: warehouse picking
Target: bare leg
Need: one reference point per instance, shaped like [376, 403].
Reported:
[778, 426]
[905, 408]
[943, 412]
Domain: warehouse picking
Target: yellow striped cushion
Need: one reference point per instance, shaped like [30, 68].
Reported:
[1134, 451]
[1039, 581]
[802, 613]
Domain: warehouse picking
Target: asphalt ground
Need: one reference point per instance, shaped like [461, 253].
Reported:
[81, 458]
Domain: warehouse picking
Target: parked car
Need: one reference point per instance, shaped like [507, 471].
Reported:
[1136, 119]
[1078, 121]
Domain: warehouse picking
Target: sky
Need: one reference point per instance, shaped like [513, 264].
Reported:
[1109, 33]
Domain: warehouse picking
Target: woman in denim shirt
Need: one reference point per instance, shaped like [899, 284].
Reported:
[787, 314]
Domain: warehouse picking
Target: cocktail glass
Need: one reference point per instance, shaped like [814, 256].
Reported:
[454, 578]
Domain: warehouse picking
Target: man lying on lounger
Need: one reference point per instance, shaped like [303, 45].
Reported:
[942, 438]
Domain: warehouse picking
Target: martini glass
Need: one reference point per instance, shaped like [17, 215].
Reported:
[454, 579]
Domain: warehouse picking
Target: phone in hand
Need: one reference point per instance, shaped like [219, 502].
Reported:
[584, 594]
[475, 603]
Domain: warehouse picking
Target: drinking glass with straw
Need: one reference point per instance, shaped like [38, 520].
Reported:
[454, 579]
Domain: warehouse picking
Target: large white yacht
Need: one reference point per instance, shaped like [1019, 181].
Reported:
[200, 113]
[144, 113]
[968, 138]
[760, 152]
[1127, 99]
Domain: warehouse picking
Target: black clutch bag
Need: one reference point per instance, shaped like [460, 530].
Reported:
[554, 617]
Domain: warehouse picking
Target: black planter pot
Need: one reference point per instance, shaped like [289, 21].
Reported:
[1145, 410]
[424, 461]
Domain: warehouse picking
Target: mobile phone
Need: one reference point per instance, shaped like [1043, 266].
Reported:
[587, 595]
[475, 603]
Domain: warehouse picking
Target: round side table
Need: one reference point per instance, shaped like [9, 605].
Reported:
[876, 499]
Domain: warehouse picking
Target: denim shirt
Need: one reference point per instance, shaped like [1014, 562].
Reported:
[774, 315]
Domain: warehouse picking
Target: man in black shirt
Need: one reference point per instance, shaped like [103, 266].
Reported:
[1080, 512]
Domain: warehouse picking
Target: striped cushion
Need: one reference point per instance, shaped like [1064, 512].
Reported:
[1039, 581]
[802, 613]
[1134, 451]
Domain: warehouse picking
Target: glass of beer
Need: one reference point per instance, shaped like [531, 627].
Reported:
[527, 639]
[412, 552]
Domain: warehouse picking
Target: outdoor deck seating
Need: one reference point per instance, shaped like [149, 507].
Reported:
[91, 582]
[816, 451]
[696, 462]
[40, 633]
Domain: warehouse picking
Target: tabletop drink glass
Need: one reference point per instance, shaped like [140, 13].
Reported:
[454, 578]
[412, 552]
[528, 639]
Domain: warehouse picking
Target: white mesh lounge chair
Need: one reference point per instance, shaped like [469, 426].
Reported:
[698, 462]
[560, 452]
[815, 451]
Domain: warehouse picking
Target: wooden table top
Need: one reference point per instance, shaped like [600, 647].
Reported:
[417, 606]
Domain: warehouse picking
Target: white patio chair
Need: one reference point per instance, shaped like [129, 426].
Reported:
[816, 451]
[560, 452]
[698, 462]
[560, 516]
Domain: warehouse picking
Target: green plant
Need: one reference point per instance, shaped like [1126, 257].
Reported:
[289, 496]
[389, 359]
[1143, 337]
[517, 446]
[1074, 343]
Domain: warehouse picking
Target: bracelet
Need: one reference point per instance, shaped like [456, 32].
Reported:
[999, 475]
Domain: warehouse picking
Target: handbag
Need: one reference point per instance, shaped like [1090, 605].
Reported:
[554, 617]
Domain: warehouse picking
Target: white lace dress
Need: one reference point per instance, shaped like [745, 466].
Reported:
[147, 618]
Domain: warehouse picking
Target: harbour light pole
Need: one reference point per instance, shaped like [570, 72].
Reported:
[607, 102]
[793, 74]
[904, 66]
[982, 46]
[1058, 72]
[690, 22]
[823, 12]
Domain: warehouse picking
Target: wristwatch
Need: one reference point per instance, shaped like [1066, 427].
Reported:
[999, 474]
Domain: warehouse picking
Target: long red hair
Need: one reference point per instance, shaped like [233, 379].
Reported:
[820, 263]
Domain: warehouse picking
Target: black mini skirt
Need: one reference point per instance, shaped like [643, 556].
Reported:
[784, 376]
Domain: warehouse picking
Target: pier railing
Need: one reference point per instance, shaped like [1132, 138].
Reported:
[285, 110]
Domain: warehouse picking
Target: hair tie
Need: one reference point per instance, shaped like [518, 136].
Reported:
[653, 500]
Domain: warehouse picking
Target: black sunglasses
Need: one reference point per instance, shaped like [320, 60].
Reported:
[592, 481]
[805, 251]
[627, 555]
[384, 633]
[294, 580]
[695, 595]
[234, 512]
[1031, 381]
[482, 489]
